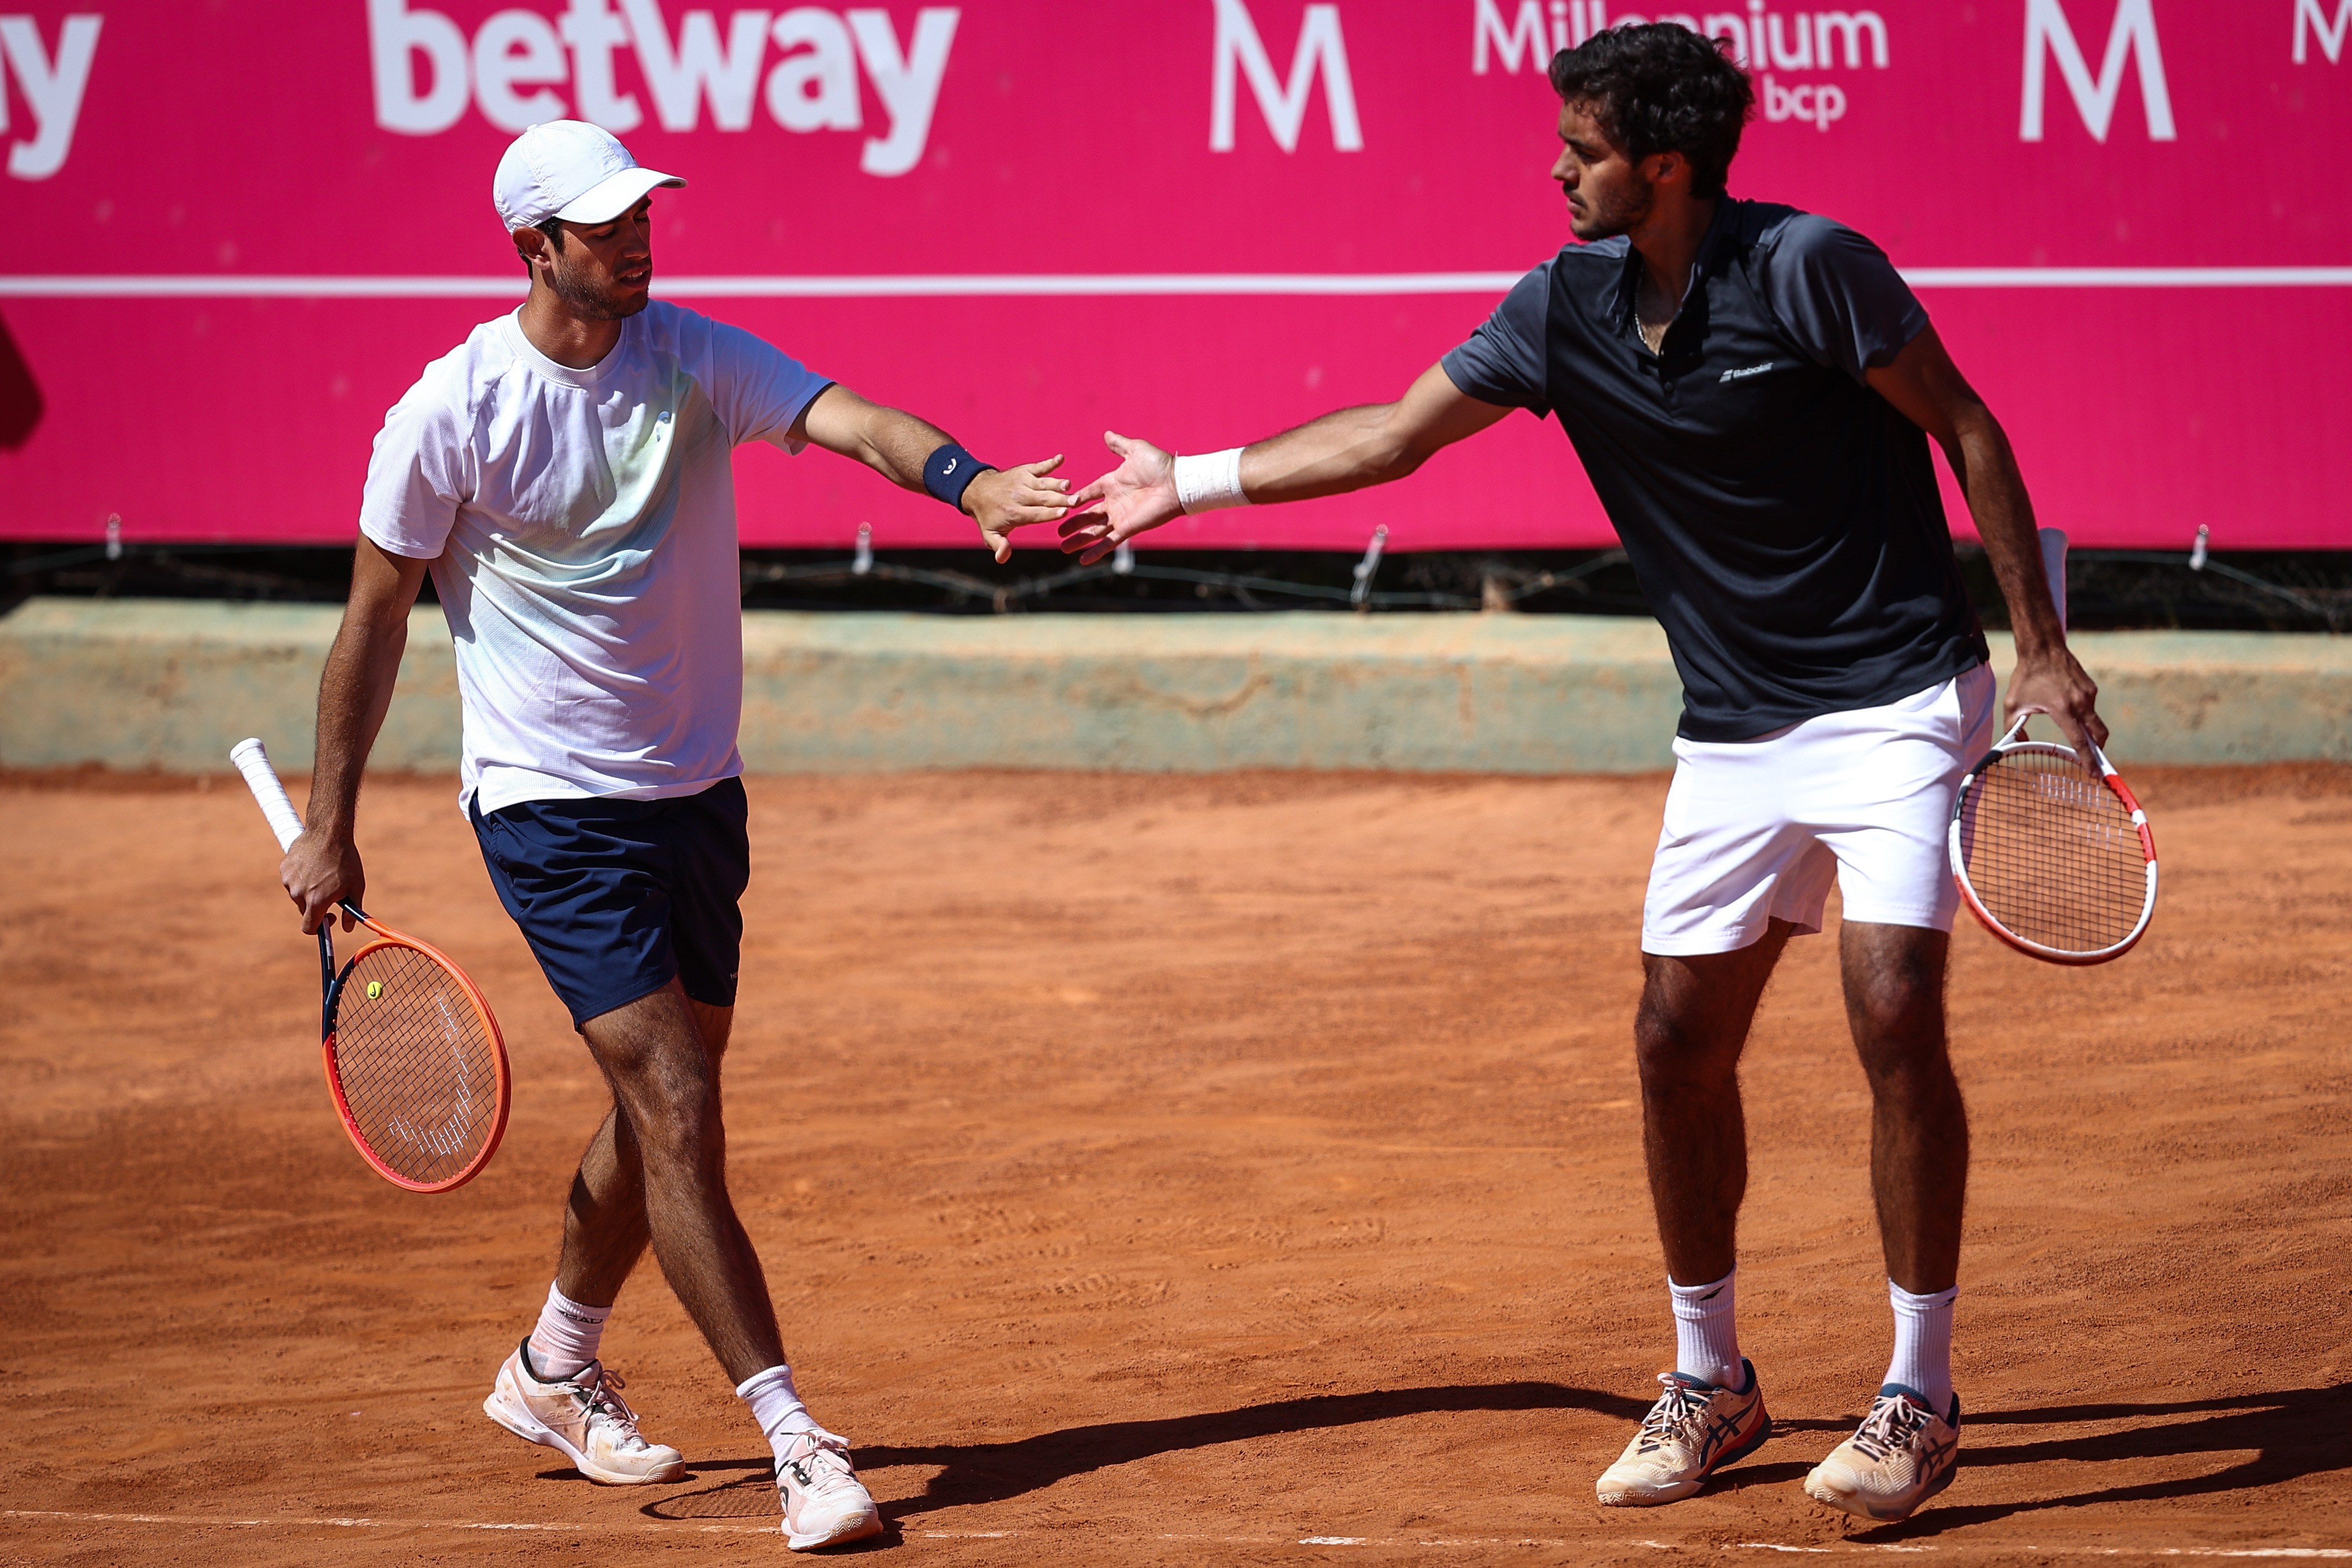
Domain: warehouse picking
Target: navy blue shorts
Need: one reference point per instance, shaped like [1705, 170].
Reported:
[619, 897]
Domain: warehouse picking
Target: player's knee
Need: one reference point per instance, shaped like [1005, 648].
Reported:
[684, 1103]
[1897, 1019]
[1908, 1069]
[1904, 1054]
[672, 1100]
[1675, 1045]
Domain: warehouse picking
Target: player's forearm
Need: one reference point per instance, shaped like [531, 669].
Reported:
[354, 694]
[1987, 469]
[890, 441]
[1350, 449]
[896, 445]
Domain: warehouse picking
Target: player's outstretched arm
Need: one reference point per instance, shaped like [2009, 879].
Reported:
[901, 448]
[1350, 449]
[324, 868]
[1924, 383]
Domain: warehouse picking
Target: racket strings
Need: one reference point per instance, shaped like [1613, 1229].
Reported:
[2051, 852]
[417, 1062]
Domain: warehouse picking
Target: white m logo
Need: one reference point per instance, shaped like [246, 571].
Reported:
[1284, 107]
[2134, 34]
[2310, 18]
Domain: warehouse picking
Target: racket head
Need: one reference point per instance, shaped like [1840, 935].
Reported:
[2053, 856]
[416, 1064]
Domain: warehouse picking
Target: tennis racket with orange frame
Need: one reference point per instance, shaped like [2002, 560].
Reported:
[2052, 854]
[414, 1057]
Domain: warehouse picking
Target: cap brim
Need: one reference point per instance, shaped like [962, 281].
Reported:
[616, 195]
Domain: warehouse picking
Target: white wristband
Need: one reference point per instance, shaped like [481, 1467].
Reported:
[1205, 483]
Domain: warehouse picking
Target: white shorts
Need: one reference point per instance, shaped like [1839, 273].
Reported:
[1756, 830]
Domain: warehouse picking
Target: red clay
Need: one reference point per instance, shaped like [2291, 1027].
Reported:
[1165, 1170]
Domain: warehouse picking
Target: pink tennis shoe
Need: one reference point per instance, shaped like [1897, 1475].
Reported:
[583, 1418]
[824, 1502]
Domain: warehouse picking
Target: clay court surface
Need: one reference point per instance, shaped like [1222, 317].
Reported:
[1159, 1170]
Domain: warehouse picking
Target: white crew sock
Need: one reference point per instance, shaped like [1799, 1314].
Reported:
[1923, 1343]
[1706, 1345]
[776, 1406]
[566, 1336]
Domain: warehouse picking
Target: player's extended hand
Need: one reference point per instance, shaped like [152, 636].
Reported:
[321, 871]
[1003, 499]
[1139, 494]
[2054, 683]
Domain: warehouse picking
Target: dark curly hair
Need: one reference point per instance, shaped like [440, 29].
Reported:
[1661, 88]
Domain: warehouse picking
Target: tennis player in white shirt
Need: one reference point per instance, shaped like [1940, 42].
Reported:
[565, 475]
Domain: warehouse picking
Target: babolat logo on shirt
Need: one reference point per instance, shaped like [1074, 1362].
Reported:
[1744, 374]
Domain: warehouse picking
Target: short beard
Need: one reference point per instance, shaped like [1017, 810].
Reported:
[1622, 215]
[588, 302]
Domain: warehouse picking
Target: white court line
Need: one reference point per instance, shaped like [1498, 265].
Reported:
[1072, 285]
[225, 1522]
[2327, 1552]
[1542, 1542]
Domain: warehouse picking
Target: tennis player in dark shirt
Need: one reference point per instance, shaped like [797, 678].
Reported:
[1752, 391]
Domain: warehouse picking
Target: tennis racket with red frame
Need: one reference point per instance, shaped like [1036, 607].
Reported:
[2052, 854]
[413, 1056]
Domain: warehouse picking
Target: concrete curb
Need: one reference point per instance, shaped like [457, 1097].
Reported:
[1203, 693]
[171, 684]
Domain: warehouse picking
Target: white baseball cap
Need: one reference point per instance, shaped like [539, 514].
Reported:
[571, 170]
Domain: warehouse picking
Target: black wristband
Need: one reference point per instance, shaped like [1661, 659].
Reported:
[948, 471]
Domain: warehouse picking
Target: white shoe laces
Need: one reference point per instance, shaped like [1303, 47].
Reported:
[823, 1467]
[1892, 1425]
[598, 1389]
[1679, 1408]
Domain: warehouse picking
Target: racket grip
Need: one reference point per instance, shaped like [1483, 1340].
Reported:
[252, 759]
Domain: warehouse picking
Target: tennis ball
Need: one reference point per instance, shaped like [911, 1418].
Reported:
[375, 990]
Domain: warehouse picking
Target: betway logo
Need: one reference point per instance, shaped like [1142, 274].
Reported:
[51, 87]
[426, 71]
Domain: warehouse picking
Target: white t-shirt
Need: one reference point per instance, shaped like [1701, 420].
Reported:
[581, 529]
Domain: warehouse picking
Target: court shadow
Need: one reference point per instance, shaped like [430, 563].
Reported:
[2293, 1433]
[973, 1473]
[1741, 1477]
[1754, 1471]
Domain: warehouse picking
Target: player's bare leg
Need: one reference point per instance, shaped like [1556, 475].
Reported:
[1907, 1448]
[667, 1124]
[1688, 1034]
[1919, 1125]
[654, 1173]
[554, 1390]
[661, 1055]
[604, 1232]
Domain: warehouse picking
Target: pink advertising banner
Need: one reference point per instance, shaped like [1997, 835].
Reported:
[237, 231]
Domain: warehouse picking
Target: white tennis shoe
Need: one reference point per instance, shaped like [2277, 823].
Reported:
[1696, 1429]
[582, 1416]
[824, 1502]
[1901, 1455]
